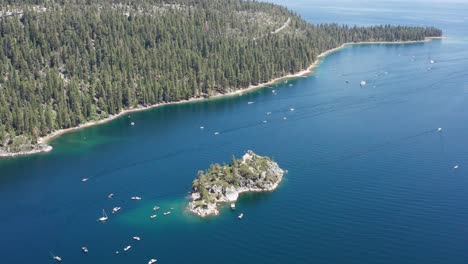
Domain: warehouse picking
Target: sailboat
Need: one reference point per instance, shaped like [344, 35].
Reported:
[104, 217]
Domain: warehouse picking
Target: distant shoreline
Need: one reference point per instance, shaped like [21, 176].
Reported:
[309, 70]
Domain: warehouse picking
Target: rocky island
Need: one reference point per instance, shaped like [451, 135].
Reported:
[223, 183]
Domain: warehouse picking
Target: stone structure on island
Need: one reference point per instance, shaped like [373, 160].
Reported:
[224, 183]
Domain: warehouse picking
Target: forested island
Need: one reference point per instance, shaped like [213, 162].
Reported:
[223, 183]
[67, 63]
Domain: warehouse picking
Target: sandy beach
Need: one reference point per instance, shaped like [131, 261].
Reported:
[305, 72]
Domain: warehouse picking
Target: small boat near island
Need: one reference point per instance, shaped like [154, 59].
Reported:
[240, 216]
[233, 206]
[116, 209]
[137, 198]
[84, 249]
[151, 261]
[104, 217]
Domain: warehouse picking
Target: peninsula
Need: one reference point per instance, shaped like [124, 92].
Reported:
[223, 183]
[71, 64]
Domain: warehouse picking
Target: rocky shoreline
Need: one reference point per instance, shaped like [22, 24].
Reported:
[223, 184]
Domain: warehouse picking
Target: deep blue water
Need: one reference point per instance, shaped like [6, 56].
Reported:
[370, 179]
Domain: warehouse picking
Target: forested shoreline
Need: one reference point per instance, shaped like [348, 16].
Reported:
[65, 63]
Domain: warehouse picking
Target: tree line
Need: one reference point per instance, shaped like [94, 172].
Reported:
[63, 63]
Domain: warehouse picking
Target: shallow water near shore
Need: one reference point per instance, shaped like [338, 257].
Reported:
[370, 179]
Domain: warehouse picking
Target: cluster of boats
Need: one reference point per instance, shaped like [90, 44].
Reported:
[105, 217]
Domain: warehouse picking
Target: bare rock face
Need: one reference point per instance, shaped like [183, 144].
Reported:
[223, 184]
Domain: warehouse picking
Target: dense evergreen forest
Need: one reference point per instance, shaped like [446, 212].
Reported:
[64, 63]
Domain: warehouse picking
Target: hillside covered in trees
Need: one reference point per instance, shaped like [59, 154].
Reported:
[64, 63]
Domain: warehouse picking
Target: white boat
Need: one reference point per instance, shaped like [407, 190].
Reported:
[156, 208]
[432, 61]
[84, 179]
[127, 248]
[153, 216]
[202, 127]
[290, 85]
[233, 206]
[57, 258]
[292, 109]
[363, 83]
[110, 195]
[264, 121]
[284, 118]
[136, 198]
[268, 113]
[216, 133]
[132, 123]
[240, 216]
[166, 213]
[273, 91]
[152, 261]
[115, 209]
[104, 217]
[439, 129]
[84, 249]
[137, 238]
[455, 167]
[250, 102]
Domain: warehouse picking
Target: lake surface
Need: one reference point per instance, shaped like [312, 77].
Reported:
[370, 179]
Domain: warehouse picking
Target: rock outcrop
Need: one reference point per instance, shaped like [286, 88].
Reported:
[224, 183]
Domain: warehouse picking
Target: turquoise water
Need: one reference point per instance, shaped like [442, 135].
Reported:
[370, 179]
